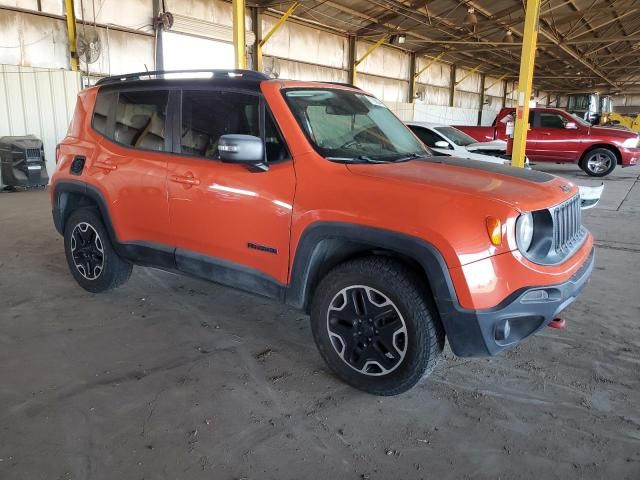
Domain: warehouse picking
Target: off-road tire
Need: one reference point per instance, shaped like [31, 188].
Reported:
[424, 340]
[114, 271]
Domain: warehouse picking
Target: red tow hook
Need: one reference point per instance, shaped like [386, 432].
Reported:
[558, 323]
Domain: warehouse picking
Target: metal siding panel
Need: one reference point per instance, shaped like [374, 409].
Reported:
[5, 114]
[14, 100]
[30, 104]
[383, 61]
[438, 74]
[39, 102]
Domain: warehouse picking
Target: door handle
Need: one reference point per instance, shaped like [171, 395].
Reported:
[187, 179]
[104, 165]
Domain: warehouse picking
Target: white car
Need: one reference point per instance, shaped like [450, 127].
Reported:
[451, 142]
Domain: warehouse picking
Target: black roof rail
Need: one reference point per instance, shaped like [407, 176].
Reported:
[235, 73]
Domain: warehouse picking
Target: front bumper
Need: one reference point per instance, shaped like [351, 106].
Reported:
[480, 332]
[630, 156]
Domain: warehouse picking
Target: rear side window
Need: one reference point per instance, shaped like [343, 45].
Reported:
[140, 120]
[104, 103]
[207, 115]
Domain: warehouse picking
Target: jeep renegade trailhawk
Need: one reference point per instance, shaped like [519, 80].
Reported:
[316, 195]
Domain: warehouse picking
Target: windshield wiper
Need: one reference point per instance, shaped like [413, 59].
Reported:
[367, 159]
[358, 159]
[411, 156]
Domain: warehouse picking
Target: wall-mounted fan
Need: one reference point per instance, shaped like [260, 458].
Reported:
[88, 45]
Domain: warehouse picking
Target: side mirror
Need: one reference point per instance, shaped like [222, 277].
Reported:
[244, 149]
[571, 126]
[442, 144]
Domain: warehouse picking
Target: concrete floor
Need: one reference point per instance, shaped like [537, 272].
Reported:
[174, 378]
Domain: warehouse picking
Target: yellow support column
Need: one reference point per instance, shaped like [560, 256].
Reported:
[527, 62]
[71, 33]
[239, 42]
[273, 30]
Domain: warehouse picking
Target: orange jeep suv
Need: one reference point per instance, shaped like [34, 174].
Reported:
[316, 195]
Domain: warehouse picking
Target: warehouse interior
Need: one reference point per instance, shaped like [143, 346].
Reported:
[176, 377]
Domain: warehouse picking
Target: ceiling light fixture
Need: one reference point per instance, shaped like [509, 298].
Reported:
[398, 39]
[508, 37]
[470, 19]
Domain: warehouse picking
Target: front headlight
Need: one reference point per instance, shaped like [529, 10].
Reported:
[524, 231]
[631, 142]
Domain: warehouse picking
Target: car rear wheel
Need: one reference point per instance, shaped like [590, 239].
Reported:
[599, 162]
[91, 258]
[375, 325]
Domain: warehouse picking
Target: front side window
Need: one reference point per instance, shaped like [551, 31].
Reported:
[345, 125]
[207, 115]
[140, 119]
[551, 120]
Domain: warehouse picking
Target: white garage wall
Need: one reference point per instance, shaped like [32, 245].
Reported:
[290, 69]
[386, 89]
[39, 102]
[295, 51]
[310, 45]
[134, 14]
[55, 7]
[32, 40]
[626, 104]
[122, 52]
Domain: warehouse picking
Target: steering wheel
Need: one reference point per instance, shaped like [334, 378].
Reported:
[355, 140]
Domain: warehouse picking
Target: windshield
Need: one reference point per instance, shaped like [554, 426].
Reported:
[579, 103]
[456, 136]
[344, 124]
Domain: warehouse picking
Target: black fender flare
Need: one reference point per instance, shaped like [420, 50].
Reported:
[322, 240]
[319, 249]
[63, 193]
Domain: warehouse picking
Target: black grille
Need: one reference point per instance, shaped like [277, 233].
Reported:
[33, 153]
[567, 225]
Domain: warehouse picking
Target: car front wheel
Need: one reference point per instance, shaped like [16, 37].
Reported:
[375, 325]
[599, 162]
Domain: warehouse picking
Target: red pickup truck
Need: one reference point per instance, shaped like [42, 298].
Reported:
[558, 136]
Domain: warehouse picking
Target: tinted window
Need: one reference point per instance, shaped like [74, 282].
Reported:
[427, 136]
[551, 120]
[140, 119]
[104, 102]
[207, 115]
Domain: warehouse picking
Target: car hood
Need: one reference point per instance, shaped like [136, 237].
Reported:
[613, 132]
[473, 156]
[493, 145]
[523, 189]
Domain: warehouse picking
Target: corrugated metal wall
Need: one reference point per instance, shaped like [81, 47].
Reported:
[627, 104]
[39, 102]
[296, 51]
